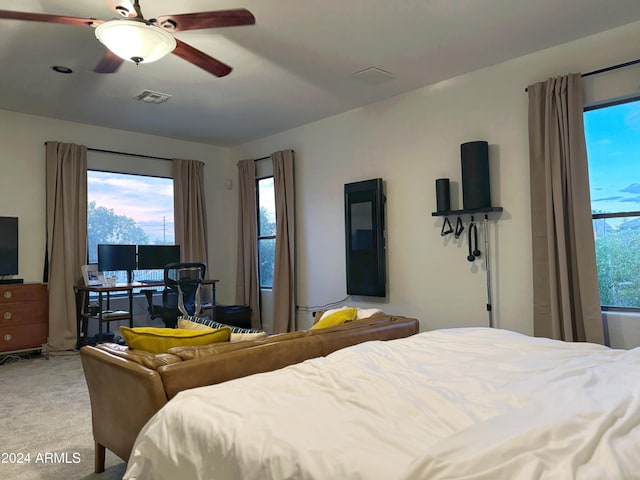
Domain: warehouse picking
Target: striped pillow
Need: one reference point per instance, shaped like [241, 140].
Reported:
[238, 334]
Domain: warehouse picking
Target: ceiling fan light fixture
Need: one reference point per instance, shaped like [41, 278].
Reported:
[135, 40]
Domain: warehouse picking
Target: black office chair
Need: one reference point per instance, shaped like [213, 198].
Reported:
[181, 295]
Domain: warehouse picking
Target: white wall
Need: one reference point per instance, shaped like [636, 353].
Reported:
[623, 329]
[411, 140]
[22, 185]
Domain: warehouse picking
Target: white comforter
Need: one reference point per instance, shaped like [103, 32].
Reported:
[467, 403]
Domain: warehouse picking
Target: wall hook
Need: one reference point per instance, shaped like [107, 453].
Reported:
[474, 252]
[459, 228]
[446, 227]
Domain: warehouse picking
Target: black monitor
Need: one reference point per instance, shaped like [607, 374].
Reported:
[152, 257]
[113, 258]
[8, 245]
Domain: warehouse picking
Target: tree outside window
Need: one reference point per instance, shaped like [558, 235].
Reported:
[105, 226]
[266, 231]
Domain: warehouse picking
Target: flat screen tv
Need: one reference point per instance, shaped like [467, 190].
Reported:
[152, 257]
[8, 245]
[113, 258]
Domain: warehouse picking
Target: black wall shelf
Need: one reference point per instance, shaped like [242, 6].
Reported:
[469, 211]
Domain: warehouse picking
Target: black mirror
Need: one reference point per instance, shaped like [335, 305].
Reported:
[365, 243]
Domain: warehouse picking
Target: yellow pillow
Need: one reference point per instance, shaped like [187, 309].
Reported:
[336, 318]
[159, 340]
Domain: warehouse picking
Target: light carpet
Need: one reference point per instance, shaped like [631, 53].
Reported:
[45, 413]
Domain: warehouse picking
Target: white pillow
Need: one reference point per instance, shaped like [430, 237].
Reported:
[241, 337]
[361, 312]
[235, 336]
[367, 312]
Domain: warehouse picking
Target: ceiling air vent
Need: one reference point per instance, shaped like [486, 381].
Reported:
[373, 76]
[149, 96]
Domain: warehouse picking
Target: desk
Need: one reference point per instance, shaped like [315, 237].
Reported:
[82, 300]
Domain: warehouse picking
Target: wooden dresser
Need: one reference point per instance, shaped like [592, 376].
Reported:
[24, 317]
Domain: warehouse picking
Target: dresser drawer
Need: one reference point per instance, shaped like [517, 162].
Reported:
[26, 336]
[23, 292]
[23, 313]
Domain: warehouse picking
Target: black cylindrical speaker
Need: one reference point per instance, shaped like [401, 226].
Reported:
[443, 203]
[476, 192]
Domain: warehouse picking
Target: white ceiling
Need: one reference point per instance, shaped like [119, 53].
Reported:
[293, 67]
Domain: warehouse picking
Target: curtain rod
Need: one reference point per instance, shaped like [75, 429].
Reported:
[152, 156]
[606, 69]
[129, 154]
[126, 153]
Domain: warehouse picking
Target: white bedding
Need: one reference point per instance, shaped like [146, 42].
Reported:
[467, 403]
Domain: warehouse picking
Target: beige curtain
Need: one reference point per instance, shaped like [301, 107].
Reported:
[284, 279]
[66, 194]
[247, 288]
[566, 299]
[190, 210]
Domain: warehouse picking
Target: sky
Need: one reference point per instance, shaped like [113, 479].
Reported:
[148, 200]
[267, 198]
[613, 146]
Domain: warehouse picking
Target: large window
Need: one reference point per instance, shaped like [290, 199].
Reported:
[613, 145]
[266, 231]
[128, 209]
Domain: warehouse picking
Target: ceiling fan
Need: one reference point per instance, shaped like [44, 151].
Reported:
[136, 39]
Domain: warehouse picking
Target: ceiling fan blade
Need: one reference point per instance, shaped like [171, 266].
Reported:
[109, 63]
[200, 59]
[43, 17]
[195, 21]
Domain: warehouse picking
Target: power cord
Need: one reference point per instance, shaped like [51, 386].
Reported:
[12, 358]
[314, 308]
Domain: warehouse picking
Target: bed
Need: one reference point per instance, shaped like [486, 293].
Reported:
[463, 403]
